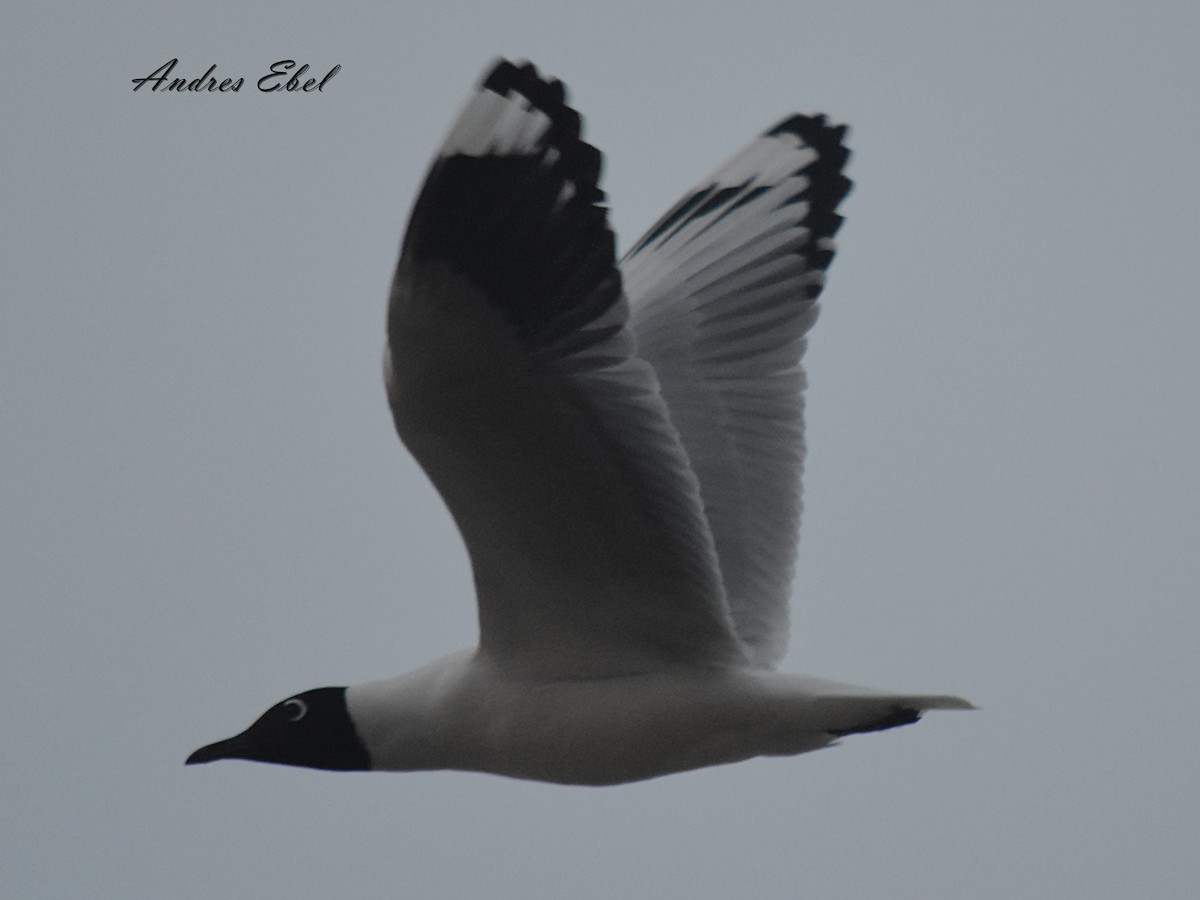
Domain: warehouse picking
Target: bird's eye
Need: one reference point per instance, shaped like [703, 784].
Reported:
[296, 709]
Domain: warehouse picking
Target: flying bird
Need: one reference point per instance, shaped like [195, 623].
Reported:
[620, 445]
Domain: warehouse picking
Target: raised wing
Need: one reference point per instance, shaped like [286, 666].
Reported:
[513, 380]
[722, 290]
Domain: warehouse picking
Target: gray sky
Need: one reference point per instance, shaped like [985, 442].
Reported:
[203, 507]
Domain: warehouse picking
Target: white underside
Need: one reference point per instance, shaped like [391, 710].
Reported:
[463, 712]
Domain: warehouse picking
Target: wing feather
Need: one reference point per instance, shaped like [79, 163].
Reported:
[723, 290]
[514, 380]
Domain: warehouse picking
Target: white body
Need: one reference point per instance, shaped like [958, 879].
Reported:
[464, 712]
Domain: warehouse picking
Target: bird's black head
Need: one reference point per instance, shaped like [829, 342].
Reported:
[312, 729]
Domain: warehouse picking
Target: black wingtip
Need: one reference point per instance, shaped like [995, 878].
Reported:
[519, 214]
[827, 185]
[581, 162]
[816, 131]
[522, 77]
[829, 142]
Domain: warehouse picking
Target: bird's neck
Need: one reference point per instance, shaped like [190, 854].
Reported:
[402, 721]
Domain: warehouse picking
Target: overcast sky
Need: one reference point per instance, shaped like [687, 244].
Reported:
[203, 507]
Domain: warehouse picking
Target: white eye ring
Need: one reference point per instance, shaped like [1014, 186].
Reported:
[300, 711]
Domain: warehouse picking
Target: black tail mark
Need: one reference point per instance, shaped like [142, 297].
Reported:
[900, 715]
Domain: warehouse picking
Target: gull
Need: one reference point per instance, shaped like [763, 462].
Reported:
[620, 445]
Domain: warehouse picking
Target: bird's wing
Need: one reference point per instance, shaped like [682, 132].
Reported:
[722, 291]
[514, 381]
